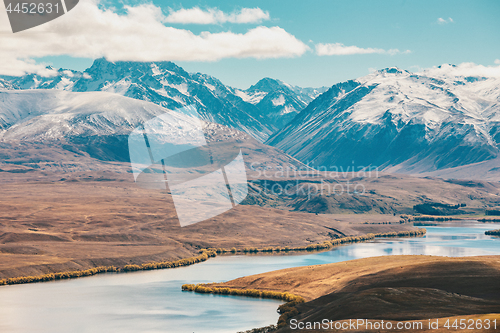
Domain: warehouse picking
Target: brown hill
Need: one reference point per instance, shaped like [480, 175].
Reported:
[397, 288]
[79, 221]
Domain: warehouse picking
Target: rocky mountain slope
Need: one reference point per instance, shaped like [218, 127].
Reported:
[279, 101]
[64, 131]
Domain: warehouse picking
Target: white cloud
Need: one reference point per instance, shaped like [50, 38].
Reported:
[196, 15]
[464, 69]
[15, 66]
[497, 61]
[415, 68]
[444, 21]
[396, 51]
[341, 49]
[138, 35]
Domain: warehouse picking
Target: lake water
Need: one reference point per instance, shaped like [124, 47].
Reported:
[152, 301]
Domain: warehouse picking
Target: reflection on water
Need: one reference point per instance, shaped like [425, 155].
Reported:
[153, 302]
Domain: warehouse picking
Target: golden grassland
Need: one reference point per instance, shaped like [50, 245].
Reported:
[58, 222]
[204, 255]
[82, 223]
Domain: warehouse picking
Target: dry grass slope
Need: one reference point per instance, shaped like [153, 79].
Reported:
[396, 288]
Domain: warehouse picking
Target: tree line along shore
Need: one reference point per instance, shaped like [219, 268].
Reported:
[286, 310]
[493, 232]
[204, 255]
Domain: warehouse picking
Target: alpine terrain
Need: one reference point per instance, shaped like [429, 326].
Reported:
[69, 131]
[168, 85]
[400, 122]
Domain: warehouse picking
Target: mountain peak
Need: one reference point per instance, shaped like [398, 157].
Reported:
[447, 65]
[103, 65]
[266, 84]
[393, 70]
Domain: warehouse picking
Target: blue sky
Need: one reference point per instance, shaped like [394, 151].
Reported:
[424, 33]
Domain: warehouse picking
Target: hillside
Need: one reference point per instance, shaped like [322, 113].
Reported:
[57, 130]
[60, 221]
[279, 102]
[391, 288]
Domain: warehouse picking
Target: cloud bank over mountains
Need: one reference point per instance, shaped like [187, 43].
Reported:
[464, 69]
[142, 33]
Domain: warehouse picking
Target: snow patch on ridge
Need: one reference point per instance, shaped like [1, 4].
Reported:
[279, 100]
[253, 98]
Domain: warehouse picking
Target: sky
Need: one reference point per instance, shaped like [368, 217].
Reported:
[305, 43]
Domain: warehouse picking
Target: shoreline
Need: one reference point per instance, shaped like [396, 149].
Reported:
[286, 310]
[205, 254]
[449, 218]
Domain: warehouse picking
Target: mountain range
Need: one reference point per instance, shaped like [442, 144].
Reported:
[398, 121]
[433, 123]
[64, 131]
[255, 111]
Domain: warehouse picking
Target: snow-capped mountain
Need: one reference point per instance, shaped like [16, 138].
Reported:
[67, 131]
[279, 102]
[5, 84]
[98, 122]
[393, 119]
[168, 85]
[45, 115]
[162, 83]
[399, 121]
